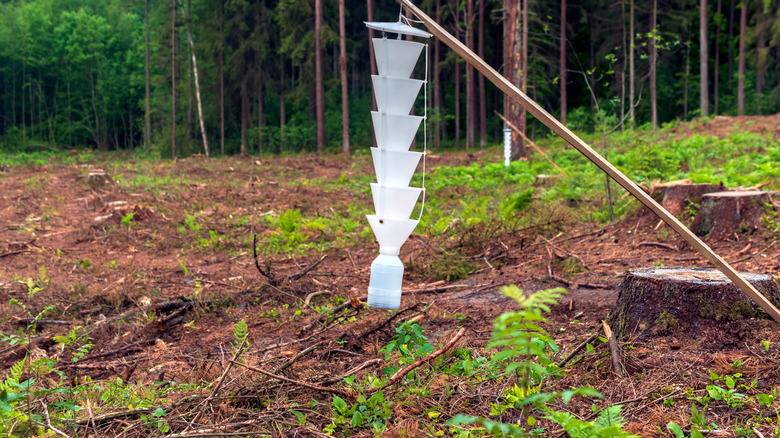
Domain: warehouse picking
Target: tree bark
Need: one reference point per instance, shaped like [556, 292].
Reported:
[244, 113]
[343, 71]
[470, 101]
[716, 70]
[456, 69]
[523, 77]
[370, 6]
[437, 103]
[197, 82]
[562, 62]
[148, 95]
[513, 69]
[221, 77]
[318, 73]
[631, 70]
[742, 56]
[704, 103]
[695, 303]
[653, 57]
[260, 114]
[481, 79]
[724, 214]
[732, 13]
[173, 79]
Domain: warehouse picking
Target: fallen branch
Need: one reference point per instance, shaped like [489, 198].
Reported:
[578, 348]
[401, 373]
[221, 379]
[114, 415]
[355, 370]
[337, 309]
[309, 268]
[659, 245]
[613, 349]
[340, 392]
[740, 252]
[298, 356]
[267, 275]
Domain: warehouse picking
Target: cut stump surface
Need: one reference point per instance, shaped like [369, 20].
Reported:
[723, 214]
[693, 302]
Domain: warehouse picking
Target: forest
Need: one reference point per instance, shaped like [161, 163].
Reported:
[239, 76]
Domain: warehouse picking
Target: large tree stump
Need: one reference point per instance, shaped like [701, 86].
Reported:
[675, 198]
[688, 301]
[725, 213]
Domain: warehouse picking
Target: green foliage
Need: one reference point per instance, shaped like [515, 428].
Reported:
[240, 332]
[372, 413]
[409, 343]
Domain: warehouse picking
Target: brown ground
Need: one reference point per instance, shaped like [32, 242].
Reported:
[113, 279]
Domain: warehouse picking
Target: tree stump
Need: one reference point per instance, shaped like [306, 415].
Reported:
[674, 198]
[725, 213]
[688, 301]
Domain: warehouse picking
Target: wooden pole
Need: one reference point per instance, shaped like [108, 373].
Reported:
[551, 122]
[533, 145]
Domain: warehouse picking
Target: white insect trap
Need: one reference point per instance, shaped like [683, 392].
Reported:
[394, 163]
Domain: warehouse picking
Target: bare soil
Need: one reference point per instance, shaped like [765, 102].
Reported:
[161, 307]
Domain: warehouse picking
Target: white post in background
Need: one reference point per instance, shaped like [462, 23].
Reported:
[507, 146]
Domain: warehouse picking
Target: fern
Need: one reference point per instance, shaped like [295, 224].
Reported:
[240, 331]
[609, 424]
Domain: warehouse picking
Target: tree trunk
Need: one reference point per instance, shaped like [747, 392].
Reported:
[732, 13]
[742, 56]
[282, 105]
[343, 70]
[437, 104]
[470, 95]
[686, 79]
[173, 79]
[197, 82]
[653, 57]
[704, 103]
[562, 62]
[716, 72]
[676, 198]
[513, 70]
[370, 7]
[244, 113]
[481, 78]
[221, 77]
[696, 304]
[523, 78]
[456, 68]
[148, 95]
[260, 115]
[631, 70]
[763, 58]
[318, 73]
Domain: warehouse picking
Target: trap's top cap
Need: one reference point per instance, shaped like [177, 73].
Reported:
[397, 27]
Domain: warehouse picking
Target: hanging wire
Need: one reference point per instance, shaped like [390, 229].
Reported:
[425, 132]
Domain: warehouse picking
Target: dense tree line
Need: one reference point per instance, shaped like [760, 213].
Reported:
[251, 76]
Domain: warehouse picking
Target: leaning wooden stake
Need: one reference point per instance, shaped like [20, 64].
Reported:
[551, 122]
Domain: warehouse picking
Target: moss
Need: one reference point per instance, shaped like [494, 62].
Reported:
[665, 321]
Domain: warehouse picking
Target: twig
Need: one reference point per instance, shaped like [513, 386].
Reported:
[613, 350]
[348, 394]
[221, 379]
[49, 425]
[309, 297]
[659, 245]
[355, 370]
[578, 348]
[298, 356]
[758, 434]
[334, 311]
[10, 253]
[740, 252]
[387, 321]
[267, 275]
[113, 415]
[401, 373]
[306, 270]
